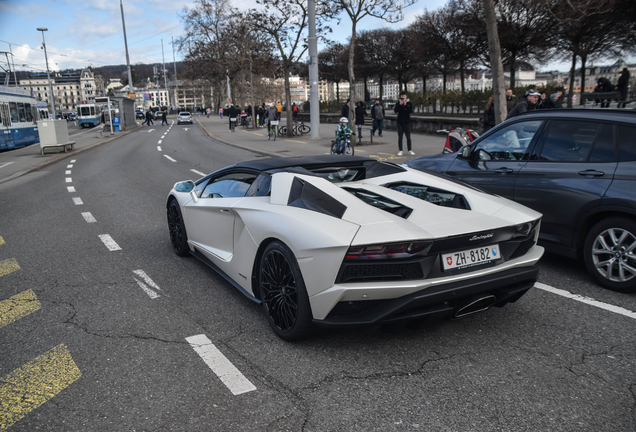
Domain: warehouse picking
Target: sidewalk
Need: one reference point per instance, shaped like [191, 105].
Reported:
[16, 163]
[383, 148]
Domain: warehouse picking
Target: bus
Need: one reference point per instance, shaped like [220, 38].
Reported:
[89, 114]
[43, 111]
[18, 118]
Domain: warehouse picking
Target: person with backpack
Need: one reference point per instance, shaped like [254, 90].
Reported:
[377, 114]
[295, 112]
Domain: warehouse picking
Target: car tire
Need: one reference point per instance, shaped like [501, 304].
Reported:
[176, 226]
[283, 293]
[610, 253]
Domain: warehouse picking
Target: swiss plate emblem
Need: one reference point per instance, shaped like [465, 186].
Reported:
[449, 260]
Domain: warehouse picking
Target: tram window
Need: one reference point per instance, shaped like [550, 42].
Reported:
[29, 112]
[13, 107]
[92, 110]
[21, 112]
[84, 111]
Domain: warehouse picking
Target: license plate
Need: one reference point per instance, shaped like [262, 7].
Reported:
[274, 122]
[470, 257]
[232, 119]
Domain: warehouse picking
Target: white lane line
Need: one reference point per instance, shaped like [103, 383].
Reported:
[169, 158]
[159, 148]
[71, 189]
[146, 281]
[159, 142]
[69, 166]
[587, 300]
[67, 172]
[163, 136]
[88, 217]
[73, 161]
[198, 172]
[68, 180]
[77, 201]
[220, 365]
[5, 164]
[109, 242]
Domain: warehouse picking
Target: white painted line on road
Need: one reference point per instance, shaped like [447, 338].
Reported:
[159, 142]
[146, 281]
[77, 201]
[198, 172]
[587, 300]
[88, 217]
[5, 164]
[73, 161]
[169, 158]
[159, 148]
[220, 365]
[69, 166]
[68, 180]
[67, 172]
[71, 189]
[163, 136]
[109, 242]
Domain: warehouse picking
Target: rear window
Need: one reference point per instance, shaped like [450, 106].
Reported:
[381, 202]
[184, 113]
[627, 143]
[432, 195]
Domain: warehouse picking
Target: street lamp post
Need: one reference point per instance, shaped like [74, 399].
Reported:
[52, 98]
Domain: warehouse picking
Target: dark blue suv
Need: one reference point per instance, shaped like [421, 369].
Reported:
[578, 168]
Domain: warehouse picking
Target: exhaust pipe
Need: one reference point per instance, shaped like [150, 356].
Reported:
[475, 304]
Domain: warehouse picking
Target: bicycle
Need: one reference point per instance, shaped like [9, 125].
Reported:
[233, 124]
[299, 129]
[457, 138]
[346, 146]
[271, 129]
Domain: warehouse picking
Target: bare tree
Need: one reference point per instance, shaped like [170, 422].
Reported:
[387, 10]
[377, 49]
[332, 65]
[494, 48]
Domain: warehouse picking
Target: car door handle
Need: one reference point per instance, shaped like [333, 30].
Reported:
[592, 173]
[225, 211]
[504, 170]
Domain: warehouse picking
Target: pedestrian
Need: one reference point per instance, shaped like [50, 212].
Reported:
[489, 114]
[555, 100]
[623, 84]
[271, 115]
[259, 116]
[527, 103]
[377, 114]
[511, 100]
[403, 109]
[149, 118]
[341, 133]
[542, 103]
[295, 112]
[603, 85]
[208, 111]
[344, 112]
[361, 113]
[279, 109]
[221, 112]
[231, 114]
[163, 118]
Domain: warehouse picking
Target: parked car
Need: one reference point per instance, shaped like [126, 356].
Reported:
[157, 115]
[184, 117]
[578, 168]
[351, 241]
[140, 115]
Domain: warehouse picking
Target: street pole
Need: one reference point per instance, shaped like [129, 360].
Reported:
[174, 62]
[165, 82]
[52, 98]
[314, 102]
[131, 89]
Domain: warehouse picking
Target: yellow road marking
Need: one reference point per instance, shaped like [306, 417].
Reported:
[1, 240]
[18, 306]
[31, 385]
[259, 134]
[300, 142]
[8, 266]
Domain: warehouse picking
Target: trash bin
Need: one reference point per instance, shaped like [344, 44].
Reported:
[116, 123]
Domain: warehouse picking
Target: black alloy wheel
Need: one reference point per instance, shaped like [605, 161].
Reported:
[610, 253]
[178, 236]
[283, 293]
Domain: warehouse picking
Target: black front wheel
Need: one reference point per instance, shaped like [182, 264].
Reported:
[610, 253]
[178, 236]
[283, 293]
[304, 129]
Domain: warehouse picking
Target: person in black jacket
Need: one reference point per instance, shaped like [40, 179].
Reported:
[527, 103]
[231, 115]
[489, 114]
[361, 113]
[344, 112]
[603, 85]
[377, 114]
[623, 84]
[403, 109]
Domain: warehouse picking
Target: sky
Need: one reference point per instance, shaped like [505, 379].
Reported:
[85, 33]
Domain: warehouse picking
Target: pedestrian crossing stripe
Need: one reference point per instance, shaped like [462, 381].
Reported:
[18, 306]
[33, 384]
[8, 266]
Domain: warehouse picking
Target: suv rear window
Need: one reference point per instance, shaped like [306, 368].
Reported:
[627, 143]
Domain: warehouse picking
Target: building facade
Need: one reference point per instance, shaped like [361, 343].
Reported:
[69, 88]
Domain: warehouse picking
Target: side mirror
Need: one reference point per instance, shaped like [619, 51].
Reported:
[466, 151]
[184, 186]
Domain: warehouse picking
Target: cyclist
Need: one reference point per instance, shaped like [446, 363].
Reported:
[271, 114]
[341, 133]
[232, 115]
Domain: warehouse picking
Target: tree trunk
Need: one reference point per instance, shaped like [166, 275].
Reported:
[583, 61]
[444, 82]
[498, 79]
[513, 78]
[462, 77]
[253, 113]
[381, 85]
[288, 112]
[572, 73]
[338, 92]
[353, 94]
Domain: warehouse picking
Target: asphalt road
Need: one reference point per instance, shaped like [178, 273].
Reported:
[96, 339]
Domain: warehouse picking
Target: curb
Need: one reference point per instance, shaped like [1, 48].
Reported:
[242, 147]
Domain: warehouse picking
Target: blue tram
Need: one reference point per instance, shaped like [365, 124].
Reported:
[89, 114]
[18, 117]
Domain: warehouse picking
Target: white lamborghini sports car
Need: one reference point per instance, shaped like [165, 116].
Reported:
[350, 241]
